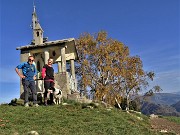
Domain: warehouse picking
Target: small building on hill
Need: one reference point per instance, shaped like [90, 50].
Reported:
[62, 51]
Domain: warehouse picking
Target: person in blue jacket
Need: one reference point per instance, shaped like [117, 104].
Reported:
[28, 77]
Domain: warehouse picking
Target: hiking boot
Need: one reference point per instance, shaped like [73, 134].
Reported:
[35, 105]
[45, 104]
[26, 105]
[45, 101]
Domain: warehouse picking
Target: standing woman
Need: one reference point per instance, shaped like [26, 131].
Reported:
[48, 76]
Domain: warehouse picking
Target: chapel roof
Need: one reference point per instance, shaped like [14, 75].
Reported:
[46, 44]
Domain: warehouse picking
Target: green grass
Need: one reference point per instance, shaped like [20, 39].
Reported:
[71, 120]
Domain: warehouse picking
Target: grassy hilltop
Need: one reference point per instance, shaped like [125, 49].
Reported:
[72, 119]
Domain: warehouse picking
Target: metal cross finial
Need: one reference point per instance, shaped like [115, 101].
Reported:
[34, 5]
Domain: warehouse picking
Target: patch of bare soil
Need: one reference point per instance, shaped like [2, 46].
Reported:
[164, 125]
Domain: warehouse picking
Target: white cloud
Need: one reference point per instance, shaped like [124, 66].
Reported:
[169, 81]
[160, 56]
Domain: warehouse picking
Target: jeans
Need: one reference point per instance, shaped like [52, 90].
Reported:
[29, 85]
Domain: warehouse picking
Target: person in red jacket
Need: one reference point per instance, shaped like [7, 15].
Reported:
[48, 76]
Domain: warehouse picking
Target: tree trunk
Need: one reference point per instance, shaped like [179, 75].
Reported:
[127, 102]
[118, 103]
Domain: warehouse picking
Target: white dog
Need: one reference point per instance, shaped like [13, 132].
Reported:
[57, 96]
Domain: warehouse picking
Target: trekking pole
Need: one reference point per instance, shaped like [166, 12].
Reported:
[43, 86]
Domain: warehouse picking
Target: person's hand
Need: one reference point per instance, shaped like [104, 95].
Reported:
[34, 77]
[22, 76]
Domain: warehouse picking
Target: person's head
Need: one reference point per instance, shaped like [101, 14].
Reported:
[30, 59]
[50, 61]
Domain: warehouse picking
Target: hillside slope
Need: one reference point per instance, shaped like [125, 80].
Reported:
[72, 120]
[158, 109]
[176, 106]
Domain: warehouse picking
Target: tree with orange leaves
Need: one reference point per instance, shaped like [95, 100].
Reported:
[108, 70]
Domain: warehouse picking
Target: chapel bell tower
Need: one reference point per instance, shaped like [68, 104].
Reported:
[37, 30]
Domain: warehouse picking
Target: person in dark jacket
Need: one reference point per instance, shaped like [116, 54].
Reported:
[28, 77]
[48, 76]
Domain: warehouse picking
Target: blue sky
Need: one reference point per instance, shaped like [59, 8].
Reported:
[150, 28]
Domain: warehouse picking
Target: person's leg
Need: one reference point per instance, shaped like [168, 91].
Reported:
[52, 88]
[26, 92]
[34, 92]
[46, 87]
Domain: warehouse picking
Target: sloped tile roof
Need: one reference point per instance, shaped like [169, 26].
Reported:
[49, 43]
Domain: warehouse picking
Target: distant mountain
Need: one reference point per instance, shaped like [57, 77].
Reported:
[167, 104]
[178, 93]
[164, 98]
[177, 106]
[158, 109]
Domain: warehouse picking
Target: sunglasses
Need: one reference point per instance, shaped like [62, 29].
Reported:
[31, 60]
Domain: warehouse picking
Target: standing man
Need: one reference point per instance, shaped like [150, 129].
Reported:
[48, 76]
[28, 80]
